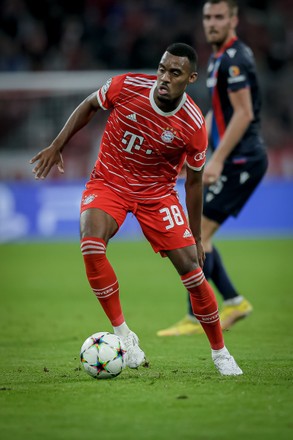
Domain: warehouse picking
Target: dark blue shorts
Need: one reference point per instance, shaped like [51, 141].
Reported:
[229, 194]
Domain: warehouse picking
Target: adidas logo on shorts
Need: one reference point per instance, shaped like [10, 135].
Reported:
[187, 233]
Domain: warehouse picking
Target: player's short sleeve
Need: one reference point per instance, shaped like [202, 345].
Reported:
[236, 72]
[196, 151]
[108, 94]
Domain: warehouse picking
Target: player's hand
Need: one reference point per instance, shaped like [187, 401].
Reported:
[212, 171]
[200, 253]
[46, 159]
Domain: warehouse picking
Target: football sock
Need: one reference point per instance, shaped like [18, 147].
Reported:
[208, 266]
[222, 351]
[204, 306]
[102, 278]
[220, 277]
[214, 270]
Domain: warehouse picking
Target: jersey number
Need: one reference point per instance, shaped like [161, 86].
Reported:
[173, 215]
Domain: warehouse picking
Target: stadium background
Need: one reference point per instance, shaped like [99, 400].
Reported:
[54, 53]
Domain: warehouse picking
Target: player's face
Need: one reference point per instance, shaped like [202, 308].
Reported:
[173, 76]
[218, 22]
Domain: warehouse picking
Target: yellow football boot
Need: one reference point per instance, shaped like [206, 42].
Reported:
[230, 314]
[187, 326]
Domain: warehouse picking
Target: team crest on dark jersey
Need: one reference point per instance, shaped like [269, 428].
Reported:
[234, 71]
[168, 135]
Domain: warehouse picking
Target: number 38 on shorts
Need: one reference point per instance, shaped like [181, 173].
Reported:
[172, 216]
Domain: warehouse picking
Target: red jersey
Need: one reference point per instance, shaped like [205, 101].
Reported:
[143, 148]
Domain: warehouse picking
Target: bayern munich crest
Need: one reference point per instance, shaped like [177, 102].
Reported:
[89, 199]
[167, 136]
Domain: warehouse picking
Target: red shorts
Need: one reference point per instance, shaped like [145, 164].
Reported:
[163, 222]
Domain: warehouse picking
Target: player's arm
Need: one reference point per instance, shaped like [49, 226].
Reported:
[208, 119]
[241, 118]
[52, 155]
[194, 201]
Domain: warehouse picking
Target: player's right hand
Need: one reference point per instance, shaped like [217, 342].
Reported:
[46, 159]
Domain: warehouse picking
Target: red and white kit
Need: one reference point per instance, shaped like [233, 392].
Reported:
[141, 154]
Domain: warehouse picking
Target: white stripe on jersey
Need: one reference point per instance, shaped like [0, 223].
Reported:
[113, 166]
[143, 117]
[195, 168]
[124, 190]
[100, 102]
[160, 162]
[193, 116]
[183, 121]
[189, 128]
[148, 170]
[130, 159]
[139, 81]
[195, 112]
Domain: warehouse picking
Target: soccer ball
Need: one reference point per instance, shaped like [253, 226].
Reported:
[102, 355]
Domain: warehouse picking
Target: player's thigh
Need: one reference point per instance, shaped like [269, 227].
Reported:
[224, 198]
[102, 211]
[97, 223]
[230, 193]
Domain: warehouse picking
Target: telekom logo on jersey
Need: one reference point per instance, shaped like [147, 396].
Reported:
[133, 141]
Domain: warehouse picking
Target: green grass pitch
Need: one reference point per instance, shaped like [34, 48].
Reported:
[48, 310]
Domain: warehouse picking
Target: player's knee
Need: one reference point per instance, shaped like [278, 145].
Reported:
[184, 259]
[187, 265]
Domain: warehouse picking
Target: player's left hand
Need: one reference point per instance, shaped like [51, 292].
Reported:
[212, 171]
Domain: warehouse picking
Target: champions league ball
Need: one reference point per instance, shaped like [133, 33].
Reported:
[102, 355]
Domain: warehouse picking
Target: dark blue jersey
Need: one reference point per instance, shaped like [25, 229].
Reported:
[231, 69]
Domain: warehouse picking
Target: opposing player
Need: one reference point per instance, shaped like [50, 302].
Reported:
[239, 160]
[152, 128]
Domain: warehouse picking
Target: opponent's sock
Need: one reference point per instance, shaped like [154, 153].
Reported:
[204, 306]
[102, 278]
[208, 266]
[234, 301]
[220, 277]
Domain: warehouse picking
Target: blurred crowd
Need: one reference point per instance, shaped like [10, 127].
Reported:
[106, 34]
[58, 35]
[93, 34]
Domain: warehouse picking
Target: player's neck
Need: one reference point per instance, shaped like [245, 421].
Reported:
[167, 106]
[221, 47]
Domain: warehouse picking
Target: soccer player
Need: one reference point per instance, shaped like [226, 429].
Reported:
[153, 127]
[238, 161]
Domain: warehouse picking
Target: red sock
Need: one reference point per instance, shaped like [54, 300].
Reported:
[102, 278]
[204, 306]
